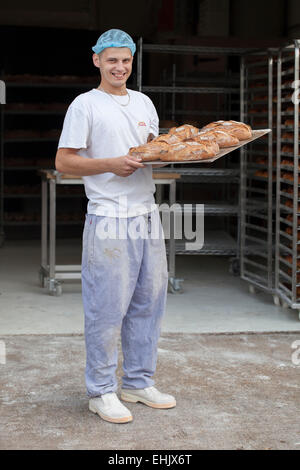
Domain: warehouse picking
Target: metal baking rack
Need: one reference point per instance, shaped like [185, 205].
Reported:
[257, 172]
[27, 218]
[287, 253]
[52, 274]
[224, 241]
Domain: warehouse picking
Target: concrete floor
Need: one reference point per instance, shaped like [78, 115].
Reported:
[224, 353]
[232, 392]
[213, 301]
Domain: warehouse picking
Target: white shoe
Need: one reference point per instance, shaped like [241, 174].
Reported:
[109, 408]
[149, 396]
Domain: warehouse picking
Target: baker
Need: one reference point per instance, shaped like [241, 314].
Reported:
[124, 265]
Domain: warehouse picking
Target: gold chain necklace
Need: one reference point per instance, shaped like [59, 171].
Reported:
[116, 101]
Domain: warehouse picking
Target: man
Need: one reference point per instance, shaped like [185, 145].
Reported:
[124, 276]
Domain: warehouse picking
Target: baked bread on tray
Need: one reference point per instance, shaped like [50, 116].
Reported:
[222, 138]
[149, 152]
[187, 142]
[190, 150]
[168, 139]
[238, 129]
[186, 131]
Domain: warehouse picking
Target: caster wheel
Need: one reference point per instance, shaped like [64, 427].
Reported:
[56, 290]
[252, 289]
[235, 267]
[174, 286]
[171, 289]
[41, 279]
[276, 300]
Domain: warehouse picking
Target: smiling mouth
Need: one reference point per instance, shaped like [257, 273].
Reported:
[118, 75]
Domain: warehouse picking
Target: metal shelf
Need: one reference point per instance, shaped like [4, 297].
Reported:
[192, 50]
[48, 85]
[28, 222]
[38, 196]
[202, 171]
[177, 89]
[217, 243]
[30, 139]
[33, 112]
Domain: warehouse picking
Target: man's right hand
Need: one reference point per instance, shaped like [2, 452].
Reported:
[125, 165]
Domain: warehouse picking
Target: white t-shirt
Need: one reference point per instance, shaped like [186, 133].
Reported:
[100, 127]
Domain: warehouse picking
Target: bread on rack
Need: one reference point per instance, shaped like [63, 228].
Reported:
[291, 205]
[290, 122]
[191, 150]
[289, 231]
[287, 136]
[287, 149]
[186, 131]
[261, 161]
[290, 109]
[222, 138]
[238, 129]
[261, 173]
[287, 176]
[289, 259]
[149, 152]
[289, 163]
[264, 174]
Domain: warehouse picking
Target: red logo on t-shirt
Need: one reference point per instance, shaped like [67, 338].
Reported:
[142, 123]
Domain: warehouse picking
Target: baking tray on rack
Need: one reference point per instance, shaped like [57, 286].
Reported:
[256, 134]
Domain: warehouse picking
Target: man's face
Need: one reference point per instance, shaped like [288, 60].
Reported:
[115, 65]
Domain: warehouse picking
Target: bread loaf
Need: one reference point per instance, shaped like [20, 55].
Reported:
[291, 205]
[149, 152]
[290, 122]
[239, 130]
[190, 151]
[289, 230]
[184, 132]
[289, 163]
[287, 149]
[222, 138]
[287, 136]
[168, 139]
[289, 259]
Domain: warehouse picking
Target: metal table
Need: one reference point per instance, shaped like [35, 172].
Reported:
[50, 273]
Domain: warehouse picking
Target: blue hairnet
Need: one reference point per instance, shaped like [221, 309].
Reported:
[114, 38]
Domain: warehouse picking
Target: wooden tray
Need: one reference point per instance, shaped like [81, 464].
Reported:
[255, 135]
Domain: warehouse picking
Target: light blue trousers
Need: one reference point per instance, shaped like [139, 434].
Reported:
[124, 290]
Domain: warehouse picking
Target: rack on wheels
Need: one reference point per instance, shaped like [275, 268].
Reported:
[258, 171]
[270, 175]
[287, 252]
[52, 274]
